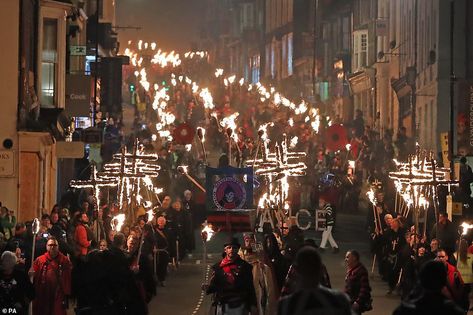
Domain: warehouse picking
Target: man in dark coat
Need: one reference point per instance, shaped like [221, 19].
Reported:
[232, 283]
[310, 297]
[357, 284]
[445, 231]
[433, 278]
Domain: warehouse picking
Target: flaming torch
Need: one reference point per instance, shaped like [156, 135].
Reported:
[201, 136]
[229, 134]
[117, 222]
[207, 233]
[465, 227]
[183, 170]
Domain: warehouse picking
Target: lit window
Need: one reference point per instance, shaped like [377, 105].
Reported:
[49, 63]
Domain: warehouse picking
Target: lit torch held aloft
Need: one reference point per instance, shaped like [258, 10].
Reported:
[183, 170]
[201, 136]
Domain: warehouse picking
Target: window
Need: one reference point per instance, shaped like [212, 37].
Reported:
[360, 49]
[289, 54]
[52, 54]
[284, 56]
[49, 63]
[255, 68]
[268, 61]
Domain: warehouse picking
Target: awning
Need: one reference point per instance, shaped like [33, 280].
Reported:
[400, 87]
[359, 82]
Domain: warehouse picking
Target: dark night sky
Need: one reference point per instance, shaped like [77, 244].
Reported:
[172, 24]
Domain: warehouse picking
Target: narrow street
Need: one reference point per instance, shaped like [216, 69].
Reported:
[182, 294]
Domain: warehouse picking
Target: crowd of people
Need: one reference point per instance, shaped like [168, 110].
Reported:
[79, 255]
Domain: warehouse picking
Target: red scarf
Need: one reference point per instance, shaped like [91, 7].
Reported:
[229, 267]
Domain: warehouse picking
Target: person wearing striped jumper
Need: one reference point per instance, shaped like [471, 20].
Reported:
[329, 224]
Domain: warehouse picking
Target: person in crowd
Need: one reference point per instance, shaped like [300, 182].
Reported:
[190, 220]
[125, 293]
[98, 226]
[273, 257]
[465, 263]
[231, 282]
[430, 300]
[161, 250]
[7, 222]
[357, 284]
[444, 230]
[103, 245]
[293, 240]
[182, 228]
[358, 124]
[52, 281]
[140, 267]
[329, 225]
[54, 217]
[421, 258]
[310, 297]
[81, 236]
[454, 288]
[59, 231]
[18, 241]
[16, 290]
[45, 224]
[107, 219]
[188, 204]
[290, 283]
[264, 280]
[165, 207]
[434, 247]
[401, 144]
[394, 239]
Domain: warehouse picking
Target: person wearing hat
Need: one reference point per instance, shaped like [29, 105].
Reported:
[232, 283]
[329, 224]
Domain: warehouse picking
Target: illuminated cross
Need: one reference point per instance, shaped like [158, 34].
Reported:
[276, 167]
[95, 182]
[130, 170]
[419, 174]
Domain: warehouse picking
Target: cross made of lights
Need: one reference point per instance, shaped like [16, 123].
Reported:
[420, 173]
[95, 182]
[276, 167]
[129, 170]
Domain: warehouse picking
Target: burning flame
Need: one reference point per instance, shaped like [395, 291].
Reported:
[466, 227]
[117, 222]
[208, 231]
[371, 196]
[150, 215]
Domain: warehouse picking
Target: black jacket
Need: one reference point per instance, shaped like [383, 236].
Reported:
[241, 291]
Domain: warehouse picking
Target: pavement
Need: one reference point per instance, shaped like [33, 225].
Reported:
[182, 294]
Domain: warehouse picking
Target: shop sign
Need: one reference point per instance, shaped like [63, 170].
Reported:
[77, 50]
[77, 95]
[7, 163]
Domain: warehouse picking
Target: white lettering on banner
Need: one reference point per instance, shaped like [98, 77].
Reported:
[81, 97]
[7, 163]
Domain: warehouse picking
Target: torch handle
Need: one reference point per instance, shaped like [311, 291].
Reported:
[256, 152]
[195, 182]
[33, 248]
[204, 152]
